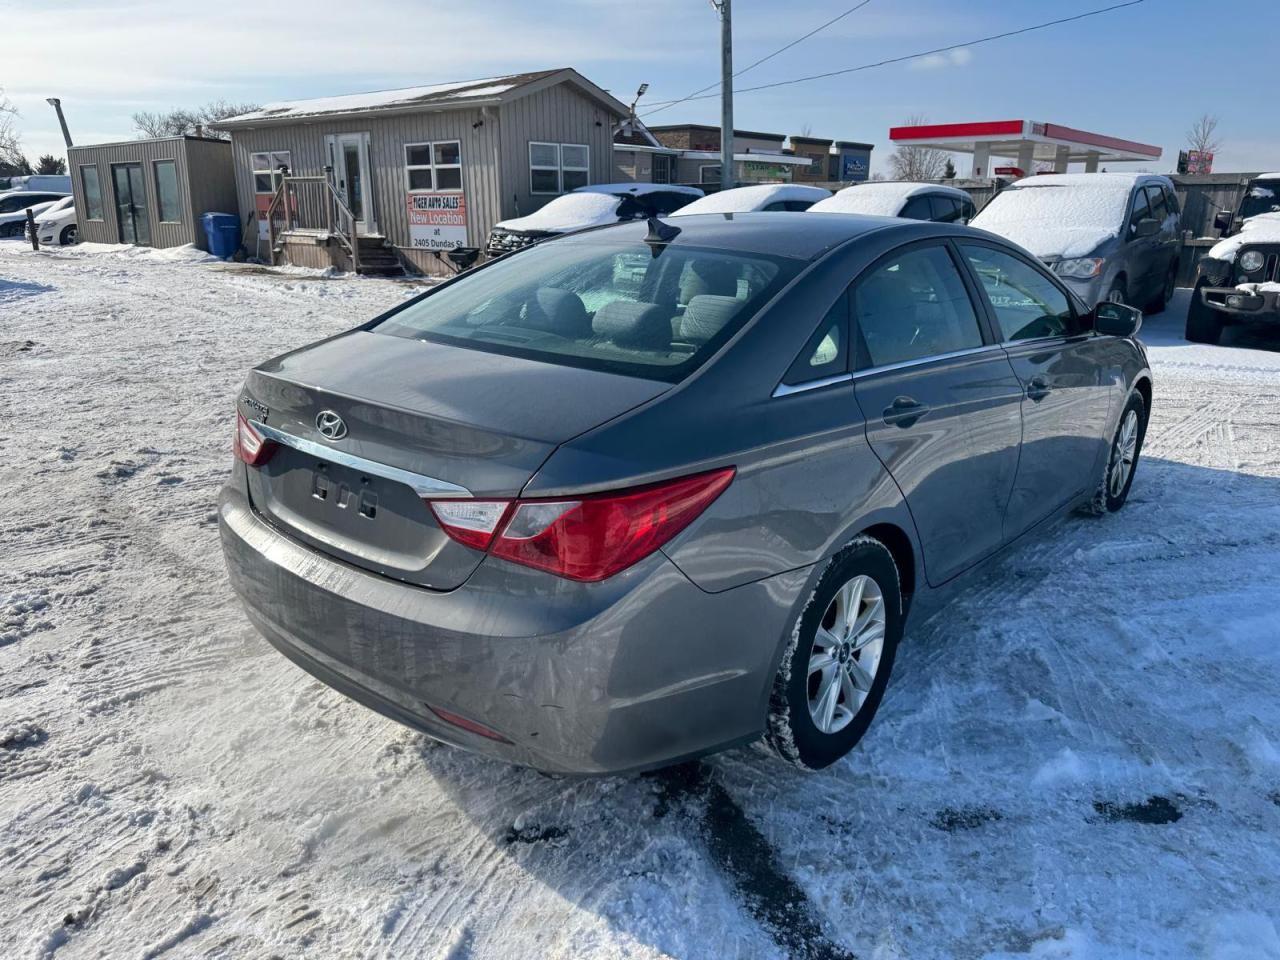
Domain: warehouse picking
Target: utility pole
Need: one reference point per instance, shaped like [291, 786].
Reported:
[727, 181]
[57, 105]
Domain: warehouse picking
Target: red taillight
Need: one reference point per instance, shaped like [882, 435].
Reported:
[468, 725]
[250, 446]
[590, 538]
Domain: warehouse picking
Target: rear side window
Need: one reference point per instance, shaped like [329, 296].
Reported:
[605, 306]
[945, 209]
[913, 306]
[1026, 303]
[827, 352]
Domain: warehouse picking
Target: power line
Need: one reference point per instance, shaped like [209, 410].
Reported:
[662, 104]
[751, 66]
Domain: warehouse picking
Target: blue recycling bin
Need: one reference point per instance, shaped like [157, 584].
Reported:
[222, 233]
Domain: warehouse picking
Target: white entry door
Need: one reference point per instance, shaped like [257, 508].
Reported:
[350, 160]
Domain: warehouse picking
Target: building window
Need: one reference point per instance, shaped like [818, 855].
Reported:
[575, 165]
[661, 168]
[92, 192]
[709, 173]
[558, 167]
[266, 169]
[433, 166]
[169, 208]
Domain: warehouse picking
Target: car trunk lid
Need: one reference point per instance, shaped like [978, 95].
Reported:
[417, 420]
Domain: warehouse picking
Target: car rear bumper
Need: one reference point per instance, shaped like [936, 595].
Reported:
[639, 671]
[1241, 303]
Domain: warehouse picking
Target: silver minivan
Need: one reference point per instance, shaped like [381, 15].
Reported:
[1108, 236]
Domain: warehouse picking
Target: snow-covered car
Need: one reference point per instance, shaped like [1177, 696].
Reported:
[56, 224]
[901, 198]
[793, 197]
[589, 206]
[1109, 236]
[14, 205]
[1238, 281]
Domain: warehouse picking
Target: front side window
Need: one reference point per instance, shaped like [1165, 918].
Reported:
[166, 172]
[1027, 304]
[912, 306]
[1141, 210]
[917, 208]
[1159, 209]
[433, 166]
[266, 169]
[613, 307]
[92, 192]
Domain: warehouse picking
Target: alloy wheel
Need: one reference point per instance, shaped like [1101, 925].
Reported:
[1126, 448]
[846, 653]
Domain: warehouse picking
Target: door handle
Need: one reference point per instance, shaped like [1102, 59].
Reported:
[1038, 388]
[904, 411]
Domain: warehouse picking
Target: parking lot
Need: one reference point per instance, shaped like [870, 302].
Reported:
[1081, 756]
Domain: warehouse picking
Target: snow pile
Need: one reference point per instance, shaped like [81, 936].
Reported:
[879, 198]
[1264, 228]
[756, 197]
[573, 211]
[1059, 216]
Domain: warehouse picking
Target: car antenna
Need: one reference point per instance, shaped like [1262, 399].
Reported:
[660, 234]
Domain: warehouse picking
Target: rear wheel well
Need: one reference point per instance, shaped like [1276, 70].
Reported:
[899, 545]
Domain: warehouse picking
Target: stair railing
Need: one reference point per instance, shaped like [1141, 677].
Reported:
[318, 194]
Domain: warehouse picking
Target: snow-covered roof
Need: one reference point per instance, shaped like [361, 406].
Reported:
[1267, 176]
[1060, 215]
[461, 93]
[573, 211]
[756, 197]
[879, 198]
[637, 189]
[1264, 228]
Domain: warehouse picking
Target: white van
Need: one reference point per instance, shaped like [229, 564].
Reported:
[51, 183]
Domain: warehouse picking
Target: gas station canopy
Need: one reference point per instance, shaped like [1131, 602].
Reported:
[1025, 142]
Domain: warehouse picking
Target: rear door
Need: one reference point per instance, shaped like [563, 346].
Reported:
[940, 400]
[1066, 397]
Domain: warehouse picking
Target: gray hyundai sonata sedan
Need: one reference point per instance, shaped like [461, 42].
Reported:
[648, 491]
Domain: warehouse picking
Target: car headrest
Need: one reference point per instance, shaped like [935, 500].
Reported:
[708, 278]
[707, 315]
[631, 324]
[557, 311]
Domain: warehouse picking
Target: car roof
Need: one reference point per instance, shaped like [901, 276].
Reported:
[774, 233]
[5, 194]
[1118, 180]
[637, 188]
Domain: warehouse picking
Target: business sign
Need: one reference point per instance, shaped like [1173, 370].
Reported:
[853, 167]
[1199, 161]
[437, 221]
[1010, 172]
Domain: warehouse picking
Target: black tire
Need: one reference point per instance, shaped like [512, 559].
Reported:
[68, 235]
[1105, 498]
[791, 732]
[1204, 325]
[1166, 290]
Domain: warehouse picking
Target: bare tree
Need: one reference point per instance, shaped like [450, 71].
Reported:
[918, 163]
[1203, 134]
[12, 162]
[181, 121]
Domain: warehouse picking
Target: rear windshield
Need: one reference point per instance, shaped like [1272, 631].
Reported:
[606, 306]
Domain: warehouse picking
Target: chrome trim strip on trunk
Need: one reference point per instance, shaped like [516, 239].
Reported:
[422, 485]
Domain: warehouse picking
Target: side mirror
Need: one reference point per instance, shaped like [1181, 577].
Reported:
[1222, 220]
[1116, 319]
[1147, 227]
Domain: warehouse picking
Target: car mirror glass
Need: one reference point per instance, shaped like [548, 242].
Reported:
[1116, 319]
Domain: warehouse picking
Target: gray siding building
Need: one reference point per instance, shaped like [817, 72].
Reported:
[416, 171]
[151, 192]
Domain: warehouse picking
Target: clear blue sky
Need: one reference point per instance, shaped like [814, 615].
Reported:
[1143, 73]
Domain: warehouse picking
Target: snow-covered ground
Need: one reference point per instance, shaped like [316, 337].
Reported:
[1079, 759]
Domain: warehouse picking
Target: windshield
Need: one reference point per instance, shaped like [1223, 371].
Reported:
[605, 306]
[1263, 196]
